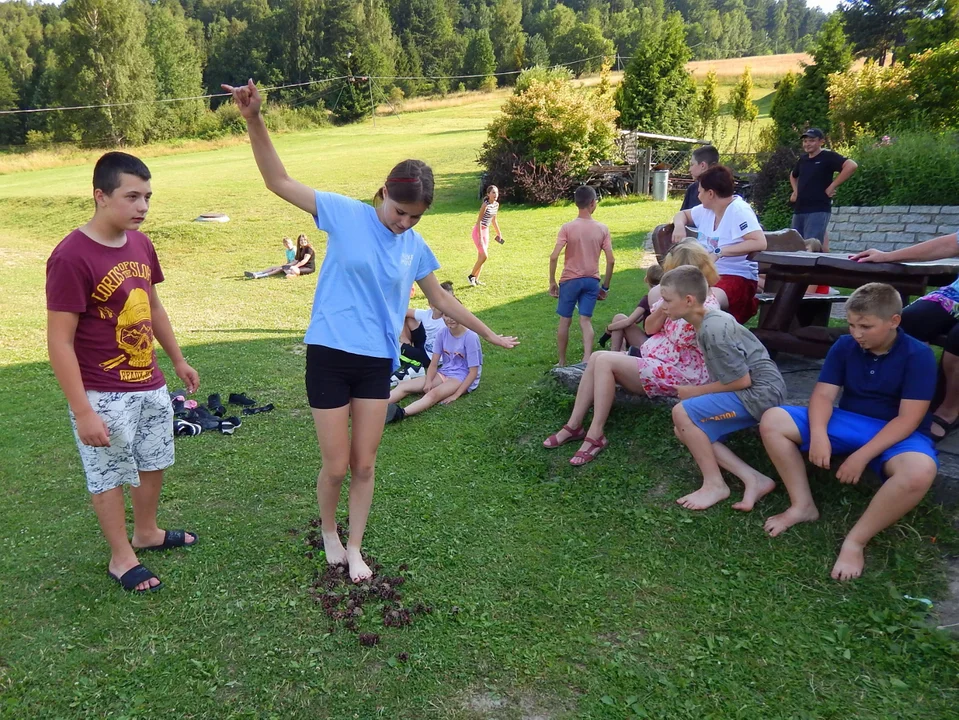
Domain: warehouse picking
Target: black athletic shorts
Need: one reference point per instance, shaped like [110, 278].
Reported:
[334, 376]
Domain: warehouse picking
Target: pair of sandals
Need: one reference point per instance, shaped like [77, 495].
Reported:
[580, 457]
[140, 574]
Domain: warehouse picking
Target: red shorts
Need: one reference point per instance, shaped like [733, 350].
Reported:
[742, 296]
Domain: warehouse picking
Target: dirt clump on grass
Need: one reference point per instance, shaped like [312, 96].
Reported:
[349, 605]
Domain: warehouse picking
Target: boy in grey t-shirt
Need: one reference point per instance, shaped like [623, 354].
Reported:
[745, 384]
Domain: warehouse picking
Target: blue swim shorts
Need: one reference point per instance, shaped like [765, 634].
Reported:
[718, 414]
[849, 431]
[581, 291]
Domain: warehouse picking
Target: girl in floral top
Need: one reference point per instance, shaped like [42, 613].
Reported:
[669, 358]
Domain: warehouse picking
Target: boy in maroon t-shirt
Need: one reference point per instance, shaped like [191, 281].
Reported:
[102, 316]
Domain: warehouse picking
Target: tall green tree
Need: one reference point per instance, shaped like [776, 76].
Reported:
[707, 106]
[177, 70]
[10, 128]
[657, 92]
[937, 23]
[103, 60]
[507, 35]
[741, 101]
[584, 42]
[877, 27]
[480, 61]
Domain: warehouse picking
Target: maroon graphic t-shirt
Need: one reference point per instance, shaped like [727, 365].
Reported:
[109, 287]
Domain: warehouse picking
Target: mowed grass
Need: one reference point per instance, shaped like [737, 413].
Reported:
[558, 591]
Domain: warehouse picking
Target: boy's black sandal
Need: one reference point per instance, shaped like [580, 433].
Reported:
[241, 399]
[133, 577]
[172, 539]
[257, 410]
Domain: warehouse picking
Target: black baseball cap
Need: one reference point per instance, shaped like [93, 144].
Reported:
[814, 133]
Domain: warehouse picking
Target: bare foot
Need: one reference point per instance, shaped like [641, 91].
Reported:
[757, 488]
[359, 570]
[849, 563]
[778, 524]
[335, 552]
[705, 497]
[118, 568]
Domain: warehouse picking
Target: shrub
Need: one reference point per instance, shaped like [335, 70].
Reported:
[912, 169]
[872, 101]
[771, 189]
[543, 184]
[540, 74]
[558, 128]
[934, 81]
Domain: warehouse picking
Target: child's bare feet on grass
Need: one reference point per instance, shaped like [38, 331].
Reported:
[333, 547]
[781, 523]
[756, 489]
[359, 570]
[850, 562]
[705, 497]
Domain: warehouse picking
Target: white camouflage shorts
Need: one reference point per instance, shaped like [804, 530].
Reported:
[141, 437]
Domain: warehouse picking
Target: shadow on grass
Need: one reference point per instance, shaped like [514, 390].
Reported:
[604, 583]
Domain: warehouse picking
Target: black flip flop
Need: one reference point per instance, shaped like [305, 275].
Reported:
[133, 577]
[947, 426]
[172, 539]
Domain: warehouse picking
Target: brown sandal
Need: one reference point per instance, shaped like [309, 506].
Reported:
[587, 456]
[574, 434]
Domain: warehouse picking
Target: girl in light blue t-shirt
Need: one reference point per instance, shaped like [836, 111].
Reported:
[373, 257]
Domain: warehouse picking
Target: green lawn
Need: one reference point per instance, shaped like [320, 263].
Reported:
[557, 591]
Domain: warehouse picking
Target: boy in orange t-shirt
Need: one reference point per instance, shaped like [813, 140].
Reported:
[583, 239]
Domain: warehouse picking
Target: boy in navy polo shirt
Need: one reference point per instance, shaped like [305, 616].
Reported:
[888, 380]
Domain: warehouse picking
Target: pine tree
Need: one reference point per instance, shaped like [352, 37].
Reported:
[177, 70]
[657, 92]
[103, 60]
[10, 129]
[480, 61]
[744, 109]
[707, 105]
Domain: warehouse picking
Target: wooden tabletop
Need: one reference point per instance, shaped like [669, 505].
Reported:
[841, 261]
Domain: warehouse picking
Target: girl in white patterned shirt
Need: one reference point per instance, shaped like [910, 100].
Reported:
[486, 217]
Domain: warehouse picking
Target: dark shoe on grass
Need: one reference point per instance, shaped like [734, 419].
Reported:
[133, 577]
[172, 539]
[241, 399]
[394, 413]
[216, 405]
[257, 410]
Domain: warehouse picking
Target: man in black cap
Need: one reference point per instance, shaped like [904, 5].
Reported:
[814, 187]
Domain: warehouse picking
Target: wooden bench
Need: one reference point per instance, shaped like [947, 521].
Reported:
[815, 309]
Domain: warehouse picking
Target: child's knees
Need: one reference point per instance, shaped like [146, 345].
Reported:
[914, 474]
[362, 471]
[680, 417]
[618, 317]
[774, 422]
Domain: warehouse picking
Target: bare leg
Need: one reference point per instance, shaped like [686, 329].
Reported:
[332, 432]
[617, 336]
[111, 513]
[368, 420]
[910, 477]
[948, 409]
[782, 440]
[586, 326]
[407, 387]
[714, 488]
[562, 338]
[611, 368]
[584, 399]
[757, 485]
[634, 336]
[481, 258]
[146, 499]
[437, 394]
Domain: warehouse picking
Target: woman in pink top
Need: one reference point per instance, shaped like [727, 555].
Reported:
[669, 358]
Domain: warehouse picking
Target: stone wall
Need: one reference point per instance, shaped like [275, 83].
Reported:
[889, 227]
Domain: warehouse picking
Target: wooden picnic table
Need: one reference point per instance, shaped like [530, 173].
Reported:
[797, 270]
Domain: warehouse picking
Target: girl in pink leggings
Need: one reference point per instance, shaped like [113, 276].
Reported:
[486, 217]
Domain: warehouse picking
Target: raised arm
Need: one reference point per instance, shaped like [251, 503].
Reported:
[449, 305]
[248, 101]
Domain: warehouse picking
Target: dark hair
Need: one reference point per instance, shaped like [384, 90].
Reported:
[409, 182]
[302, 250]
[448, 286]
[719, 179]
[584, 196]
[686, 280]
[707, 154]
[488, 188]
[107, 171]
[654, 275]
